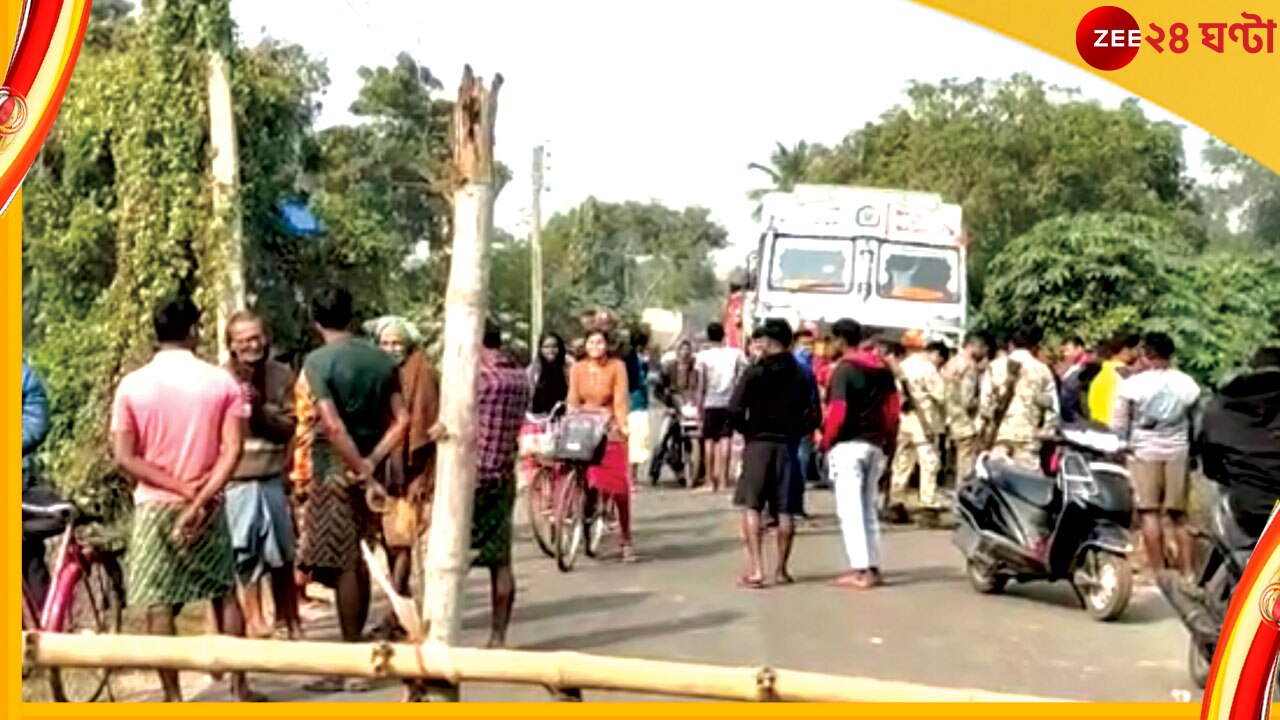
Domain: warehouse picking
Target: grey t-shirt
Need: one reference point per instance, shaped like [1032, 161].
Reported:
[1154, 411]
[719, 368]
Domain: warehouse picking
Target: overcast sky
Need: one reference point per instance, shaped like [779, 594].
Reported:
[663, 100]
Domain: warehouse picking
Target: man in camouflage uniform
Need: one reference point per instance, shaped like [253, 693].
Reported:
[1017, 433]
[963, 377]
[922, 424]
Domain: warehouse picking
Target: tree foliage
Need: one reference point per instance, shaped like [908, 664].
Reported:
[627, 256]
[119, 219]
[1246, 191]
[1098, 273]
[1012, 153]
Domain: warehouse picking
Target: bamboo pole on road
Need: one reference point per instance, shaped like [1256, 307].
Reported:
[466, 305]
[557, 670]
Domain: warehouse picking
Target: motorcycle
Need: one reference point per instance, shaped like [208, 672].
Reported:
[1234, 528]
[1021, 525]
[678, 448]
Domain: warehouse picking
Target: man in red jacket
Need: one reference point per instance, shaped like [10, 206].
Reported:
[858, 435]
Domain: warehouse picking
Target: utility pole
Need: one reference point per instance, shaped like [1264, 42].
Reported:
[226, 206]
[465, 307]
[535, 254]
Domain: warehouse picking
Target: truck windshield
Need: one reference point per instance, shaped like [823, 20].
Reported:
[916, 272]
[807, 264]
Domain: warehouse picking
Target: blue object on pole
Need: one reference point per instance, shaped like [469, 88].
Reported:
[297, 219]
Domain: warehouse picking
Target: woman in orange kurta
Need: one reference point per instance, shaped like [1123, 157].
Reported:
[600, 383]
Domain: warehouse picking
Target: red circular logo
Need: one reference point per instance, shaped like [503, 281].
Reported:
[1108, 37]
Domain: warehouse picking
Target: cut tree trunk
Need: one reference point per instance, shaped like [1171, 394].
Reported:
[466, 305]
[226, 215]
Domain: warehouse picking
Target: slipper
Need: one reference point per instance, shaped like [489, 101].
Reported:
[750, 583]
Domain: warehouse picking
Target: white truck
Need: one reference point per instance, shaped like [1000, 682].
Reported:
[893, 260]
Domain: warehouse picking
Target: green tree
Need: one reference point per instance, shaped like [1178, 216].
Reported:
[118, 211]
[1246, 190]
[627, 256]
[1013, 153]
[1094, 274]
[787, 167]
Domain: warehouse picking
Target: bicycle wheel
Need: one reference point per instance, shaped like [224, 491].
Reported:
[596, 523]
[97, 605]
[541, 508]
[569, 519]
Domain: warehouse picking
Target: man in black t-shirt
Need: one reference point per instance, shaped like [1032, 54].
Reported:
[858, 434]
[773, 407]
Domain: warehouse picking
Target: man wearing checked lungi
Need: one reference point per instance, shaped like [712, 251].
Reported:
[176, 431]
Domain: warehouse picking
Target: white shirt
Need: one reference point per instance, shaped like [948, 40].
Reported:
[1154, 438]
[720, 368]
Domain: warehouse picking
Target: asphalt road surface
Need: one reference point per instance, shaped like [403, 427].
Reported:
[926, 625]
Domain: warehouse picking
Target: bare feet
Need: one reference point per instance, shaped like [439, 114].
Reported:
[856, 580]
[782, 577]
[496, 641]
[751, 582]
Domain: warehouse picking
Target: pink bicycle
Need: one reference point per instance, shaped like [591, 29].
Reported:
[85, 595]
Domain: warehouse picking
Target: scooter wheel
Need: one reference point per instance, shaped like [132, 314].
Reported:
[1198, 664]
[984, 578]
[1105, 583]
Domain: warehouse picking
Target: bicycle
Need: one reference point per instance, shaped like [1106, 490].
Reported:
[580, 514]
[85, 595]
[537, 442]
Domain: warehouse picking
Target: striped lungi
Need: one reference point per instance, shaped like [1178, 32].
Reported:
[161, 572]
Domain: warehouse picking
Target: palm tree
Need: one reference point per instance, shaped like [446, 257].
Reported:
[787, 167]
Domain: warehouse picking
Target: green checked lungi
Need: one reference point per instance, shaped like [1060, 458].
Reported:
[163, 573]
[491, 522]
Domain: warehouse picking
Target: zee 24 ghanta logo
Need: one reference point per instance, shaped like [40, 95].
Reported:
[1109, 38]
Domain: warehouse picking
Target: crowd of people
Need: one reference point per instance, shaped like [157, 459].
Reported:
[251, 473]
[882, 411]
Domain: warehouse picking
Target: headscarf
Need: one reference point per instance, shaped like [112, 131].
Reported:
[408, 330]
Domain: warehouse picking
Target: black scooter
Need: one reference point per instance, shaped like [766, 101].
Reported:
[1236, 523]
[1019, 524]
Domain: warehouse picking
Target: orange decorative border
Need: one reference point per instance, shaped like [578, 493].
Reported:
[1229, 95]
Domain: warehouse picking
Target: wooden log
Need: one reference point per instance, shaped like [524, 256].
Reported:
[225, 172]
[558, 670]
[466, 305]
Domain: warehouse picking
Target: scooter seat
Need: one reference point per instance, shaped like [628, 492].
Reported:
[1028, 485]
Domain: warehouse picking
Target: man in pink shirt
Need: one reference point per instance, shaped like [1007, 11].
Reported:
[176, 431]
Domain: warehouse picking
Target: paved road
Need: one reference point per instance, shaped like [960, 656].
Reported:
[925, 625]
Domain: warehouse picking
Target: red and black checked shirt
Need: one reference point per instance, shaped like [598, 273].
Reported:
[502, 401]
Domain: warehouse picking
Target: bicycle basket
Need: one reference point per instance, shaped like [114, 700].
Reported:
[537, 440]
[581, 437]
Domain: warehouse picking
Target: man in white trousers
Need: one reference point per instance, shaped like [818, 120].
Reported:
[858, 434]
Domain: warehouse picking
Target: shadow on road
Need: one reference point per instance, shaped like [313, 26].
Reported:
[610, 636]
[560, 608]
[1143, 608]
[687, 550]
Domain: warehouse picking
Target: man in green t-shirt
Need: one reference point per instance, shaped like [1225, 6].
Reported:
[361, 418]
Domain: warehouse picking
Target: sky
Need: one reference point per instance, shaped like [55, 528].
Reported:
[664, 100]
